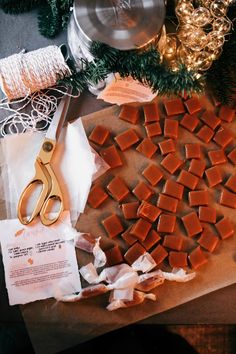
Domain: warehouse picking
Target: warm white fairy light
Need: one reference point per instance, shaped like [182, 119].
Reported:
[200, 35]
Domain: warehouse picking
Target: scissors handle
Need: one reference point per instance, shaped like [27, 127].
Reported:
[41, 177]
[44, 176]
[54, 194]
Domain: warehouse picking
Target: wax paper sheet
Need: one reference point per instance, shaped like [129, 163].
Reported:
[73, 162]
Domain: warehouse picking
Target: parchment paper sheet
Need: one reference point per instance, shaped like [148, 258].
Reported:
[55, 326]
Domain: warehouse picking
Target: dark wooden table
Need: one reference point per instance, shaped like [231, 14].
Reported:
[16, 33]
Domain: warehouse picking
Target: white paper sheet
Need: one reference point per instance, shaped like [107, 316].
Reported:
[39, 261]
[73, 163]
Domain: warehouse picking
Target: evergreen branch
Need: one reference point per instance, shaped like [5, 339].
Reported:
[18, 6]
[221, 77]
[65, 11]
[146, 67]
[49, 20]
[89, 74]
[53, 16]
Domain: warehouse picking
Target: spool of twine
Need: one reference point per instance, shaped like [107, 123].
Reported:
[25, 73]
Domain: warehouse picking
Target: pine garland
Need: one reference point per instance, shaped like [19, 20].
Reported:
[143, 66]
[49, 19]
[221, 77]
[52, 17]
[18, 6]
[146, 67]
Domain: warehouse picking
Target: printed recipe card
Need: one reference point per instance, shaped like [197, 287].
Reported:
[39, 261]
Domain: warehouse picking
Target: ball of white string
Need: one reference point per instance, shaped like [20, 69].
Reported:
[24, 73]
[24, 78]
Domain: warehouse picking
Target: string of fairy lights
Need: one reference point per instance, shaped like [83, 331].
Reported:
[200, 35]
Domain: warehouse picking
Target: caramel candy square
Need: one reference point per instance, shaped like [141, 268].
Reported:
[167, 146]
[192, 151]
[151, 239]
[174, 107]
[142, 191]
[208, 240]
[178, 259]
[192, 224]
[205, 134]
[175, 242]
[197, 167]
[148, 211]
[171, 128]
[153, 174]
[173, 189]
[112, 225]
[99, 135]
[171, 163]
[153, 129]
[213, 175]
[126, 139]
[96, 196]
[129, 114]
[147, 148]
[111, 156]
[167, 203]
[114, 256]
[223, 137]
[226, 113]
[189, 122]
[130, 210]
[207, 214]
[140, 229]
[210, 119]
[166, 223]
[134, 252]
[228, 199]
[151, 112]
[232, 156]
[224, 228]
[118, 189]
[187, 179]
[127, 237]
[159, 254]
[217, 157]
[193, 105]
[93, 290]
[198, 198]
[231, 183]
[197, 258]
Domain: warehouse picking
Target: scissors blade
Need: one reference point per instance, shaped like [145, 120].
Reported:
[58, 118]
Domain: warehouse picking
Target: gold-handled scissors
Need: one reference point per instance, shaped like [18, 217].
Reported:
[44, 174]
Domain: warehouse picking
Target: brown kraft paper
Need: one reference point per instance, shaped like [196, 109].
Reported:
[54, 326]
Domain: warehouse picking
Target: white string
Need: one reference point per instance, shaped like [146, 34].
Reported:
[42, 105]
[23, 77]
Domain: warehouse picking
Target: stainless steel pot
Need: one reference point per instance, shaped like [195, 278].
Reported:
[122, 24]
